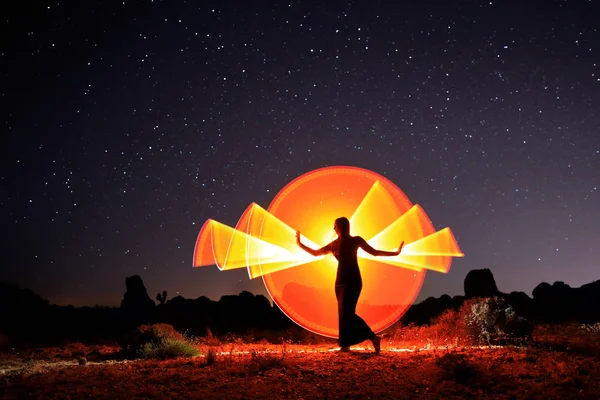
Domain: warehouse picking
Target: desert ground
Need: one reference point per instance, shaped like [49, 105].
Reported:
[559, 362]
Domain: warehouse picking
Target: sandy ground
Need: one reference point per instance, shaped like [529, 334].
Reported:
[260, 371]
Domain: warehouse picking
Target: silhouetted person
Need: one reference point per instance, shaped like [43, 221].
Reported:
[348, 282]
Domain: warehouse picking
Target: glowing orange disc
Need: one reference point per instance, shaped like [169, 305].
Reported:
[301, 285]
[311, 203]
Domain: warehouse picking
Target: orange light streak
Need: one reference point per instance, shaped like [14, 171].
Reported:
[264, 242]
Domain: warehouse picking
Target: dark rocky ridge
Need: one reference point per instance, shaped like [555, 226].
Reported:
[554, 303]
[28, 319]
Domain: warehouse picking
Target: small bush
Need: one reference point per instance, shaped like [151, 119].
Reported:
[409, 335]
[168, 348]
[450, 329]
[492, 321]
[155, 333]
[160, 341]
[211, 356]
[210, 339]
[570, 336]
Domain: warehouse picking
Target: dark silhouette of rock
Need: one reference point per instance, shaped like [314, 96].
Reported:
[521, 303]
[21, 312]
[588, 302]
[13, 297]
[424, 312]
[548, 305]
[233, 314]
[559, 302]
[542, 292]
[480, 283]
[193, 315]
[29, 320]
[136, 304]
[242, 313]
[457, 302]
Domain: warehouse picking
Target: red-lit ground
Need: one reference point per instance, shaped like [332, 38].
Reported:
[561, 362]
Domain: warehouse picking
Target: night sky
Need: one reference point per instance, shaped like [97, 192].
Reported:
[125, 125]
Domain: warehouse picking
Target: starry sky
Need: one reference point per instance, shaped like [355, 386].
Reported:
[127, 124]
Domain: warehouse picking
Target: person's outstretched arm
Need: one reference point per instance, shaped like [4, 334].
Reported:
[320, 252]
[374, 252]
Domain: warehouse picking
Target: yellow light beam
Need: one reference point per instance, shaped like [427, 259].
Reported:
[276, 250]
[409, 227]
[396, 262]
[271, 229]
[376, 211]
[203, 254]
[225, 247]
[440, 243]
[231, 248]
[433, 252]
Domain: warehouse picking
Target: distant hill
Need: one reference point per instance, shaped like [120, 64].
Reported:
[554, 303]
[28, 319]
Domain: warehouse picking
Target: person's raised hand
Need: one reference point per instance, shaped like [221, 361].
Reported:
[400, 248]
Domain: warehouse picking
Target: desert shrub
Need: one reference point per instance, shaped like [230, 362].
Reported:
[410, 335]
[160, 341]
[493, 321]
[447, 329]
[456, 367]
[571, 337]
[264, 361]
[154, 333]
[594, 329]
[211, 356]
[209, 339]
[168, 348]
[416, 336]
[485, 320]
[450, 328]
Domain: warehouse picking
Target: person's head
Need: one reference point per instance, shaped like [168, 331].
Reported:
[342, 226]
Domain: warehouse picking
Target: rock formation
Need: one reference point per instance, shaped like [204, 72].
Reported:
[480, 283]
[137, 306]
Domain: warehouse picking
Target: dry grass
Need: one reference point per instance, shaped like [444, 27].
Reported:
[574, 338]
[414, 363]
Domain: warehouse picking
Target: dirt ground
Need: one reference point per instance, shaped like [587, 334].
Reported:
[260, 371]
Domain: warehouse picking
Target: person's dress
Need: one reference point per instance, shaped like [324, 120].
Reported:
[348, 285]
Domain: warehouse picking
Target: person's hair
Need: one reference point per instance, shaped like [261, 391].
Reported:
[343, 226]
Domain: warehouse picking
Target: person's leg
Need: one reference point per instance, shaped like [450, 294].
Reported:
[376, 340]
[342, 321]
[356, 329]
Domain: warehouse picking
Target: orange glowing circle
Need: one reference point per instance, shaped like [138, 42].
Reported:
[310, 204]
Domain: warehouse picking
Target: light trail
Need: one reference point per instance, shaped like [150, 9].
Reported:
[264, 242]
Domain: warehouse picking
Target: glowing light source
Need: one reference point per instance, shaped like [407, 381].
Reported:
[263, 241]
